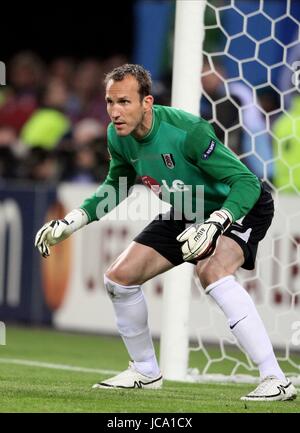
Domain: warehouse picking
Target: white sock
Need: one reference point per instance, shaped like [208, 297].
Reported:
[132, 322]
[246, 324]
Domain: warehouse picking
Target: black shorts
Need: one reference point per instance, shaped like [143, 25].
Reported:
[161, 233]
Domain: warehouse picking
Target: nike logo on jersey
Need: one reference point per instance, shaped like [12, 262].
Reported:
[133, 161]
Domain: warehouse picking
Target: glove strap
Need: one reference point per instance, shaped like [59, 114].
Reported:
[221, 218]
[77, 219]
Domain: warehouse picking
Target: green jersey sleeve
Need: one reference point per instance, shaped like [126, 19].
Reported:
[203, 148]
[108, 195]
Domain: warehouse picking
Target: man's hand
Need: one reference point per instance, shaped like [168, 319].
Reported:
[201, 239]
[56, 231]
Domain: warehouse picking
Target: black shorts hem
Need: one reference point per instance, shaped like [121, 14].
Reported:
[161, 251]
[249, 251]
[161, 233]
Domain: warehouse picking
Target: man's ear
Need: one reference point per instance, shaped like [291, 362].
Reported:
[148, 102]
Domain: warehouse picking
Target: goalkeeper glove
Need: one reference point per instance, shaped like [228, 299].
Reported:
[56, 231]
[200, 240]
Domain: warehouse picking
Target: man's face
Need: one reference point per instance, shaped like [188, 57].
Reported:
[124, 106]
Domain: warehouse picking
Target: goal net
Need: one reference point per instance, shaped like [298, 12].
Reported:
[250, 93]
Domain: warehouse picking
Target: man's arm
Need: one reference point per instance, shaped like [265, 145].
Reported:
[206, 151]
[56, 231]
[118, 168]
[211, 156]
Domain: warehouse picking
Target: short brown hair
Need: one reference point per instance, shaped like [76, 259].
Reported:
[142, 76]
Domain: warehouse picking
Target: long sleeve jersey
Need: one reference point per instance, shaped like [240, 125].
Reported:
[180, 153]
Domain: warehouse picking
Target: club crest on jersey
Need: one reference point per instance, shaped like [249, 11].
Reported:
[168, 160]
[209, 150]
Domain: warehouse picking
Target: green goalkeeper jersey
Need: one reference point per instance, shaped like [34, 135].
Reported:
[179, 154]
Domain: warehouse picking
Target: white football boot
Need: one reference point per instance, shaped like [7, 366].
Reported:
[272, 389]
[131, 379]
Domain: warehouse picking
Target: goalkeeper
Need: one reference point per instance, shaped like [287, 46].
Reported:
[167, 146]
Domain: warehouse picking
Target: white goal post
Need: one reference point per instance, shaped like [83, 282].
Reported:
[190, 321]
[189, 33]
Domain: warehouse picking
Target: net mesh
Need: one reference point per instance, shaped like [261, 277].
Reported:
[250, 85]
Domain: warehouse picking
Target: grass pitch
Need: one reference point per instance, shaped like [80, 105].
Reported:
[48, 371]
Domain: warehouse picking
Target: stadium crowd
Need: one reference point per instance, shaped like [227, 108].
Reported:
[53, 120]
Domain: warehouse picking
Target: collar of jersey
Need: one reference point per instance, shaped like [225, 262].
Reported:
[153, 130]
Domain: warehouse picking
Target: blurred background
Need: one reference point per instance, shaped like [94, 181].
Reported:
[53, 133]
[52, 111]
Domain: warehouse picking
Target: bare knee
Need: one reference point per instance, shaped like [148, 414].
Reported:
[205, 274]
[211, 271]
[226, 261]
[122, 274]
